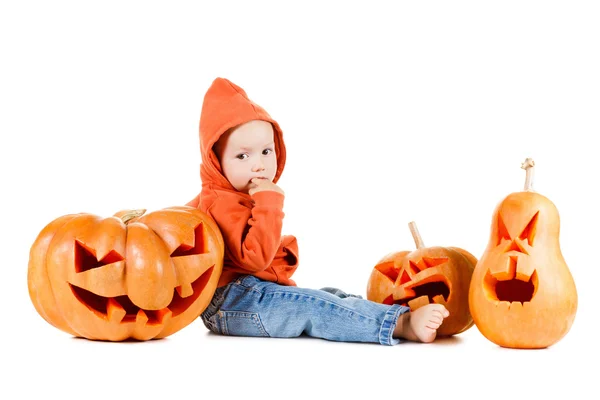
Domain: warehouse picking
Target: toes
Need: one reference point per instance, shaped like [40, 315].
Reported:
[441, 310]
[436, 319]
[433, 325]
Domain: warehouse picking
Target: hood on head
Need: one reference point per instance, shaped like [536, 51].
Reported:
[225, 106]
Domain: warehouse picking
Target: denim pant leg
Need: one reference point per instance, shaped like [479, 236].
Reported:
[252, 307]
[339, 292]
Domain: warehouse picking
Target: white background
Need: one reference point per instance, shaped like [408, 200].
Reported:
[422, 112]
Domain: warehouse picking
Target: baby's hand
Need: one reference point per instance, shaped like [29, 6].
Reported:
[261, 185]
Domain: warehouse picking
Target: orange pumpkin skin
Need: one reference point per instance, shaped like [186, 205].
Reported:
[127, 276]
[426, 275]
[522, 294]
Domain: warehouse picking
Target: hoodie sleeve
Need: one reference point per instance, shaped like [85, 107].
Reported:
[252, 235]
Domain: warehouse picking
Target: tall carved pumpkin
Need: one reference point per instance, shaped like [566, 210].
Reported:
[426, 275]
[126, 276]
[522, 294]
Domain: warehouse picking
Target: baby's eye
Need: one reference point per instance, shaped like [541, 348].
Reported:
[266, 152]
[242, 156]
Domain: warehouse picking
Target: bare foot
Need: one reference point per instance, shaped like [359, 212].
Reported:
[421, 325]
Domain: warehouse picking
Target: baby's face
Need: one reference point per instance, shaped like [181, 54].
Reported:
[248, 152]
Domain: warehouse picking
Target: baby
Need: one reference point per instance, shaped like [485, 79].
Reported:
[243, 156]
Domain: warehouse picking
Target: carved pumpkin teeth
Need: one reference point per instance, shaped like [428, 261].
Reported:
[185, 290]
[141, 318]
[439, 299]
[418, 302]
[163, 316]
[516, 306]
[115, 311]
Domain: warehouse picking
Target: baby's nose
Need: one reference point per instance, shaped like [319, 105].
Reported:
[258, 166]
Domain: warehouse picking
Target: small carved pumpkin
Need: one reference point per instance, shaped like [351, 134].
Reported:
[522, 294]
[127, 276]
[426, 275]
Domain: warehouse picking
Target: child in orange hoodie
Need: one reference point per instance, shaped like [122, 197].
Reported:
[243, 156]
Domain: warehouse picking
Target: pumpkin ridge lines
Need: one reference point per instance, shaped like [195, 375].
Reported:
[38, 279]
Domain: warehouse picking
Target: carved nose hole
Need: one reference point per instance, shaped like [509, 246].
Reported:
[514, 246]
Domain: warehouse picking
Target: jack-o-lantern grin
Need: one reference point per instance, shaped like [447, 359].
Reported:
[418, 281]
[122, 309]
[513, 278]
[432, 292]
[512, 286]
[118, 307]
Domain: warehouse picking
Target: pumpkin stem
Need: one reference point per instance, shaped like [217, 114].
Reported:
[528, 165]
[128, 215]
[415, 234]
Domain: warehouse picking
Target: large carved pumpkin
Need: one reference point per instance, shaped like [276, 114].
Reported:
[426, 275]
[522, 294]
[126, 276]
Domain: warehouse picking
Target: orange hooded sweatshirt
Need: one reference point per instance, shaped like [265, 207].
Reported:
[250, 225]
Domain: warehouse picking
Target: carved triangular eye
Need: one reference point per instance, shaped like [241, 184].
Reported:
[414, 268]
[529, 231]
[85, 258]
[427, 262]
[199, 244]
[405, 277]
[502, 231]
[431, 262]
[407, 273]
[389, 270]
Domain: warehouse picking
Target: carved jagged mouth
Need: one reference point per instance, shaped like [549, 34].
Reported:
[426, 293]
[122, 309]
[510, 290]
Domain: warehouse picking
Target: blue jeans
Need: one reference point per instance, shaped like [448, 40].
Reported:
[250, 306]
